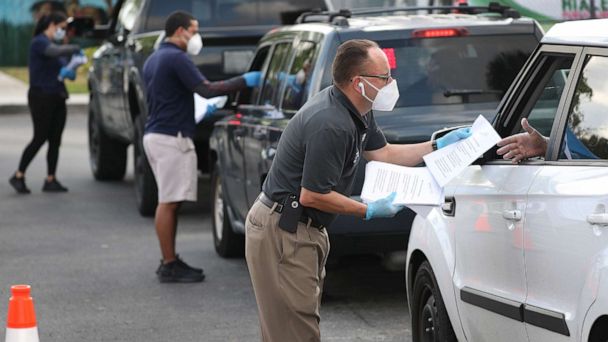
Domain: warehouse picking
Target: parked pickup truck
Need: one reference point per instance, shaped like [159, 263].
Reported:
[450, 67]
[117, 110]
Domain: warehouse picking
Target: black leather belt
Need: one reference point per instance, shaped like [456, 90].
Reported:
[279, 208]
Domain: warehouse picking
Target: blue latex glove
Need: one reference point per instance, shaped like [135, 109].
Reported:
[252, 78]
[383, 207]
[67, 73]
[453, 136]
[211, 108]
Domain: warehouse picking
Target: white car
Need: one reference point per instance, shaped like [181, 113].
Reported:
[520, 252]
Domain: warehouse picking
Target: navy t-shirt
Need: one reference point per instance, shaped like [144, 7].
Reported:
[170, 77]
[44, 70]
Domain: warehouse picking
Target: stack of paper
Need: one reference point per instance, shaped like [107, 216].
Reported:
[201, 105]
[413, 185]
[424, 185]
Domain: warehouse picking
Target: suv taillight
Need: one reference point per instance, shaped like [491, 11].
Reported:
[439, 33]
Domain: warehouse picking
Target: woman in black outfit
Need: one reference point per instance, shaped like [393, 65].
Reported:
[46, 97]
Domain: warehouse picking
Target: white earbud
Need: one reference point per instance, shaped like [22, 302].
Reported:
[361, 86]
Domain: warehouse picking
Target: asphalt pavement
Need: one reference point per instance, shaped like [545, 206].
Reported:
[90, 258]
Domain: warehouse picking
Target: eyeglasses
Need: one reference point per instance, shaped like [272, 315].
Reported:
[386, 78]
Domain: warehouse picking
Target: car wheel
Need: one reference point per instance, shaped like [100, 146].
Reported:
[227, 242]
[599, 332]
[146, 192]
[430, 321]
[107, 157]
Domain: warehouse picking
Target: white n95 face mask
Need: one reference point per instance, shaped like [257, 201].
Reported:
[195, 45]
[59, 34]
[386, 98]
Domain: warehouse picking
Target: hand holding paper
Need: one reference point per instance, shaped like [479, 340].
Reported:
[205, 107]
[413, 185]
[447, 163]
[77, 60]
[420, 186]
[384, 207]
[69, 71]
[453, 137]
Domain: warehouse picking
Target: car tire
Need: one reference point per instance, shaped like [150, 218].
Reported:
[599, 333]
[228, 244]
[146, 191]
[430, 321]
[107, 157]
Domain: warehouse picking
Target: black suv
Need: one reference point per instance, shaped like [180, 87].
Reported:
[450, 67]
[117, 109]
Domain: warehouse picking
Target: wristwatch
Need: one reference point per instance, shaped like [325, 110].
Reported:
[434, 144]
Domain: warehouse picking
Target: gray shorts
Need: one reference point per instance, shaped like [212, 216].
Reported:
[174, 164]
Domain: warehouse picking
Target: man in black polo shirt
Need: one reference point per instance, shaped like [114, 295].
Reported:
[310, 182]
[171, 78]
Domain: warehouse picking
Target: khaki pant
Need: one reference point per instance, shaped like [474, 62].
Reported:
[287, 272]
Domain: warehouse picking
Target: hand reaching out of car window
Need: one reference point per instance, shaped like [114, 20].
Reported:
[523, 145]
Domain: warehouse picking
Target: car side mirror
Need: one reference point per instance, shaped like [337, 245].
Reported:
[118, 39]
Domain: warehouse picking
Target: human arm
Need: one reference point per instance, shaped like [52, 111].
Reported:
[520, 146]
[411, 154]
[336, 203]
[208, 89]
[400, 154]
[332, 202]
[65, 50]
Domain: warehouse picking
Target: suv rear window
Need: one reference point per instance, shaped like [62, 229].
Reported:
[212, 13]
[456, 70]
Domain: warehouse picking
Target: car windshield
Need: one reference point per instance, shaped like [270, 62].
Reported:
[456, 70]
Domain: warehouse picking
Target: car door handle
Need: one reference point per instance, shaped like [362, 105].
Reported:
[598, 219]
[449, 206]
[511, 215]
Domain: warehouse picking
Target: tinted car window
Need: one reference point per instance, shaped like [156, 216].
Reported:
[275, 73]
[456, 70]
[543, 106]
[128, 14]
[248, 95]
[212, 13]
[587, 129]
[297, 81]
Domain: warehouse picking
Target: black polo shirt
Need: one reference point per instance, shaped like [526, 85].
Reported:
[320, 150]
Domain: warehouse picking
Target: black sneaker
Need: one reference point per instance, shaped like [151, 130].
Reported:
[183, 264]
[175, 272]
[53, 186]
[19, 185]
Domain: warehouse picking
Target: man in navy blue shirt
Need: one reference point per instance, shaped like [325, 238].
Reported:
[171, 79]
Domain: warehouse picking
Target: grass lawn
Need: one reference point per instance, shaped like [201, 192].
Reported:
[78, 86]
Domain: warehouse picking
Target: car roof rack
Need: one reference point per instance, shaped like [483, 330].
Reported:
[341, 17]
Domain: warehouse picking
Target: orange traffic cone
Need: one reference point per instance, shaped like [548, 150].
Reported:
[21, 318]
